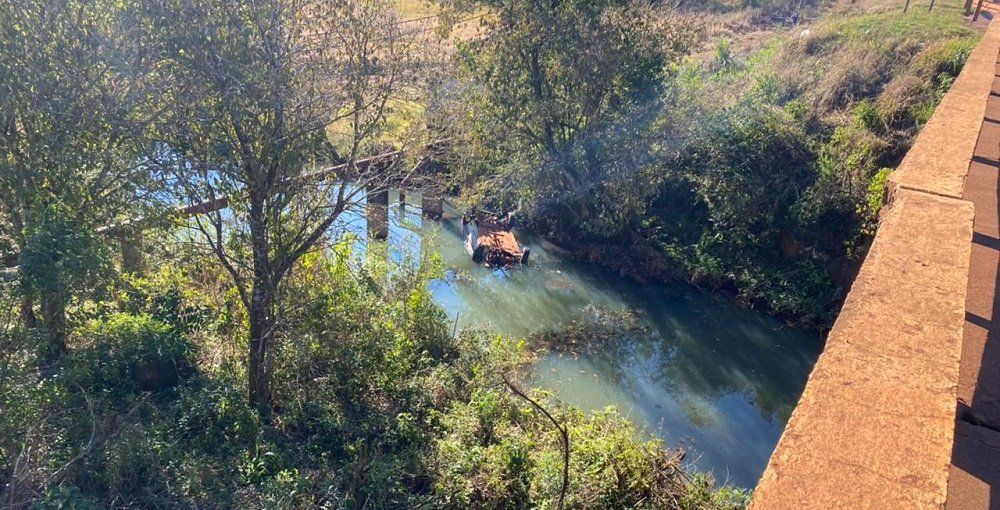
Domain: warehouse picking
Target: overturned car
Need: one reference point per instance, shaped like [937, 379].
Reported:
[489, 241]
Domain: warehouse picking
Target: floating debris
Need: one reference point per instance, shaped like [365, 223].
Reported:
[595, 326]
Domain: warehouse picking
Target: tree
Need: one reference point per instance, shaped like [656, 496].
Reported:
[252, 88]
[554, 85]
[67, 160]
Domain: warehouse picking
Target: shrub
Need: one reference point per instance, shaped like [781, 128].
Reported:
[723, 58]
[62, 255]
[378, 405]
[499, 452]
[166, 297]
[868, 117]
[874, 200]
[213, 417]
[125, 354]
[59, 497]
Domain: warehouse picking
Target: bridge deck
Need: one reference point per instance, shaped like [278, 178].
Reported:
[974, 482]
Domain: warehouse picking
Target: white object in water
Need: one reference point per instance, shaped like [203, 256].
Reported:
[471, 236]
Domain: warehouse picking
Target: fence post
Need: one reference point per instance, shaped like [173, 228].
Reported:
[979, 6]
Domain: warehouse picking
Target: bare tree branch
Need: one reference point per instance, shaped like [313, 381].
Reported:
[563, 432]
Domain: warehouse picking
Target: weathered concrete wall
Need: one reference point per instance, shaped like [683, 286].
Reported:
[939, 160]
[875, 425]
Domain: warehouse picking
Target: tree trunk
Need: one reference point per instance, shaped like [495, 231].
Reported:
[28, 318]
[261, 307]
[54, 324]
[262, 321]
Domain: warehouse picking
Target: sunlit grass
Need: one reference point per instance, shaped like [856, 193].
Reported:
[413, 9]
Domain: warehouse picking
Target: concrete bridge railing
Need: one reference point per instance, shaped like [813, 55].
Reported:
[875, 425]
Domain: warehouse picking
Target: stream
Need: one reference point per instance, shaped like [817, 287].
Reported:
[699, 372]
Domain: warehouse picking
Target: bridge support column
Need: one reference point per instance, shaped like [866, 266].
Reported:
[433, 204]
[378, 214]
[130, 240]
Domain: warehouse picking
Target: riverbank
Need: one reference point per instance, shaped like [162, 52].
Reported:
[685, 366]
[644, 264]
[759, 169]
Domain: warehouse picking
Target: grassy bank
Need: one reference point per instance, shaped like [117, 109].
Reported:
[839, 103]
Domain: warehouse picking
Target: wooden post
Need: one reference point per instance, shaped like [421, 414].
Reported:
[931, 6]
[378, 214]
[906, 6]
[979, 7]
[968, 7]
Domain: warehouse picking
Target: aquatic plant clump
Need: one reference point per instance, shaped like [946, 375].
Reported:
[594, 326]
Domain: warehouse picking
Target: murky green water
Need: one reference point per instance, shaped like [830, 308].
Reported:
[719, 380]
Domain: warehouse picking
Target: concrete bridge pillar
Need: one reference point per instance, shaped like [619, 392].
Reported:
[433, 204]
[130, 240]
[378, 214]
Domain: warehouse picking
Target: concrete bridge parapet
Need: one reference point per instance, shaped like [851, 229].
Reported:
[875, 426]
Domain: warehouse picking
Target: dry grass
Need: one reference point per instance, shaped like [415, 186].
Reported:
[428, 20]
[871, 50]
[412, 9]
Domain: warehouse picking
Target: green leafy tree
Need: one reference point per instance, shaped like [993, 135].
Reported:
[251, 89]
[67, 160]
[553, 88]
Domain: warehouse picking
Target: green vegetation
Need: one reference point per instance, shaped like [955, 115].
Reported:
[253, 361]
[247, 358]
[375, 405]
[754, 172]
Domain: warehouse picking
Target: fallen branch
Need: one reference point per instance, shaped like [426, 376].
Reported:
[563, 431]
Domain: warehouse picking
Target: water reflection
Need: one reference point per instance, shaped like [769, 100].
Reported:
[717, 379]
